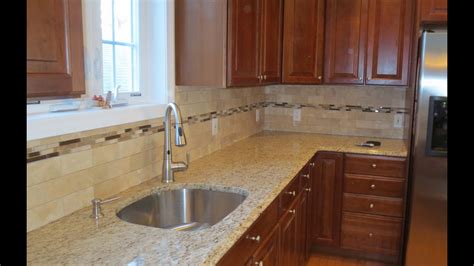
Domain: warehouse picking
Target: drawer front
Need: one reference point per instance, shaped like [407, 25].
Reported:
[375, 165]
[372, 205]
[371, 233]
[242, 251]
[370, 185]
[289, 194]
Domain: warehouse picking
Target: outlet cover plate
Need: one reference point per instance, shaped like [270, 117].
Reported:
[398, 121]
[296, 114]
[214, 126]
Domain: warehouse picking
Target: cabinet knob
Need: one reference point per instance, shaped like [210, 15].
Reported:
[360, 79]
[254, 238]
[306, 175]
[320, 77]
[371, 205]
[370, 234]
[312, 164]
[293, 193]
[308, 189]
[259, 77]
[264, 77]
[374, 165]
[259, 263]
[292, 211]
[372, 186]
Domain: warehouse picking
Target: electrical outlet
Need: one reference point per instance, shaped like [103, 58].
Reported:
[214, 126]
[398, 121]
[296, 114]
[257, 115]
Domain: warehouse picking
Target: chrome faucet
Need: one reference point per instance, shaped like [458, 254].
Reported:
[169, 167]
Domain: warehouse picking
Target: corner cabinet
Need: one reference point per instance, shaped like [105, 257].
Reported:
[368, 41]
[54, 51]
[228, 43]
[327, 177]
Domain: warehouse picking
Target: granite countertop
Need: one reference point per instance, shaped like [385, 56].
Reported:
[261, 165]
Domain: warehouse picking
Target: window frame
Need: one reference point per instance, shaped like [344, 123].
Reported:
[135, 50]
[42, 124]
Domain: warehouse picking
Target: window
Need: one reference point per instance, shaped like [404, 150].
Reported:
[120, 66]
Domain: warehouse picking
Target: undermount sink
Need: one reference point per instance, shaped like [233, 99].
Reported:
[186, 209]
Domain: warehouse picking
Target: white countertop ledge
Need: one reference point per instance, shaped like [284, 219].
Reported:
[43, 125]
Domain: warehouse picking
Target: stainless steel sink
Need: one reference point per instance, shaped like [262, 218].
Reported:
[186, 209]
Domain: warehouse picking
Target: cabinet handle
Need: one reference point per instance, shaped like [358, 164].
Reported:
[264, 77]
[293, 193]
[254, 238]
[292, 211]
[306, 175]
[259, 263]
[260, 77]
[372, 186]
[370, 234]
[374, 165]
[371, 205]
[360, 79]
[308, 189]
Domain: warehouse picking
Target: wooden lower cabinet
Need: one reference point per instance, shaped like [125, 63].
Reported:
[357, 210]
[268, 254]
[327, 197]
[289, 237]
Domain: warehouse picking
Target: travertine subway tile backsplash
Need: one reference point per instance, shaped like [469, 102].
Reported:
[65, 173]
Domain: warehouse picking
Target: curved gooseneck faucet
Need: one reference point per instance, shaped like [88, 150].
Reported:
[169, 167]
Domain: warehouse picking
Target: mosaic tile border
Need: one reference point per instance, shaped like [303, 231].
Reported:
[42, 152]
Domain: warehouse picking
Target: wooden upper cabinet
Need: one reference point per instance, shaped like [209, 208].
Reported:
[270, 41]
[433, 11]
[327, 199]
[55, 57]
[223, 43]
[243, 42]
[390, 26]
[303, 41]
[368, 41]
[346, 31]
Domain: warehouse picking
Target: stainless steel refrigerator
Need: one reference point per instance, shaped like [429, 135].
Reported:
[427, 226]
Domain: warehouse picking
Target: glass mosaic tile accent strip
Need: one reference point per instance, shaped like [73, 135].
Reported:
[78, 144]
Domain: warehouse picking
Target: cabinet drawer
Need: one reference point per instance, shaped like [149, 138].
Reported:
[371, 185]
[375, 165]
[372, 204]
[289, 194]
[242, 251]
[371, 233]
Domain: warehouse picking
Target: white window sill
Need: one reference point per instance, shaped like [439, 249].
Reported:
[43, 125]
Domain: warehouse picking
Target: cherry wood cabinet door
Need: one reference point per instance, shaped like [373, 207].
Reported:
[434, 11]
[270, 38]
[269, 253]
[243, 42]
[54, 51]
[345, 41]
[289, 232]
[390, 26]
[303, 41]
[301, 216]
[327, 199]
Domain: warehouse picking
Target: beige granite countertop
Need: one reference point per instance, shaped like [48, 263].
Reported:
[261, 165]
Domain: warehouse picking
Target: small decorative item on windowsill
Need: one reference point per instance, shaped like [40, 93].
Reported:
[99, 101]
